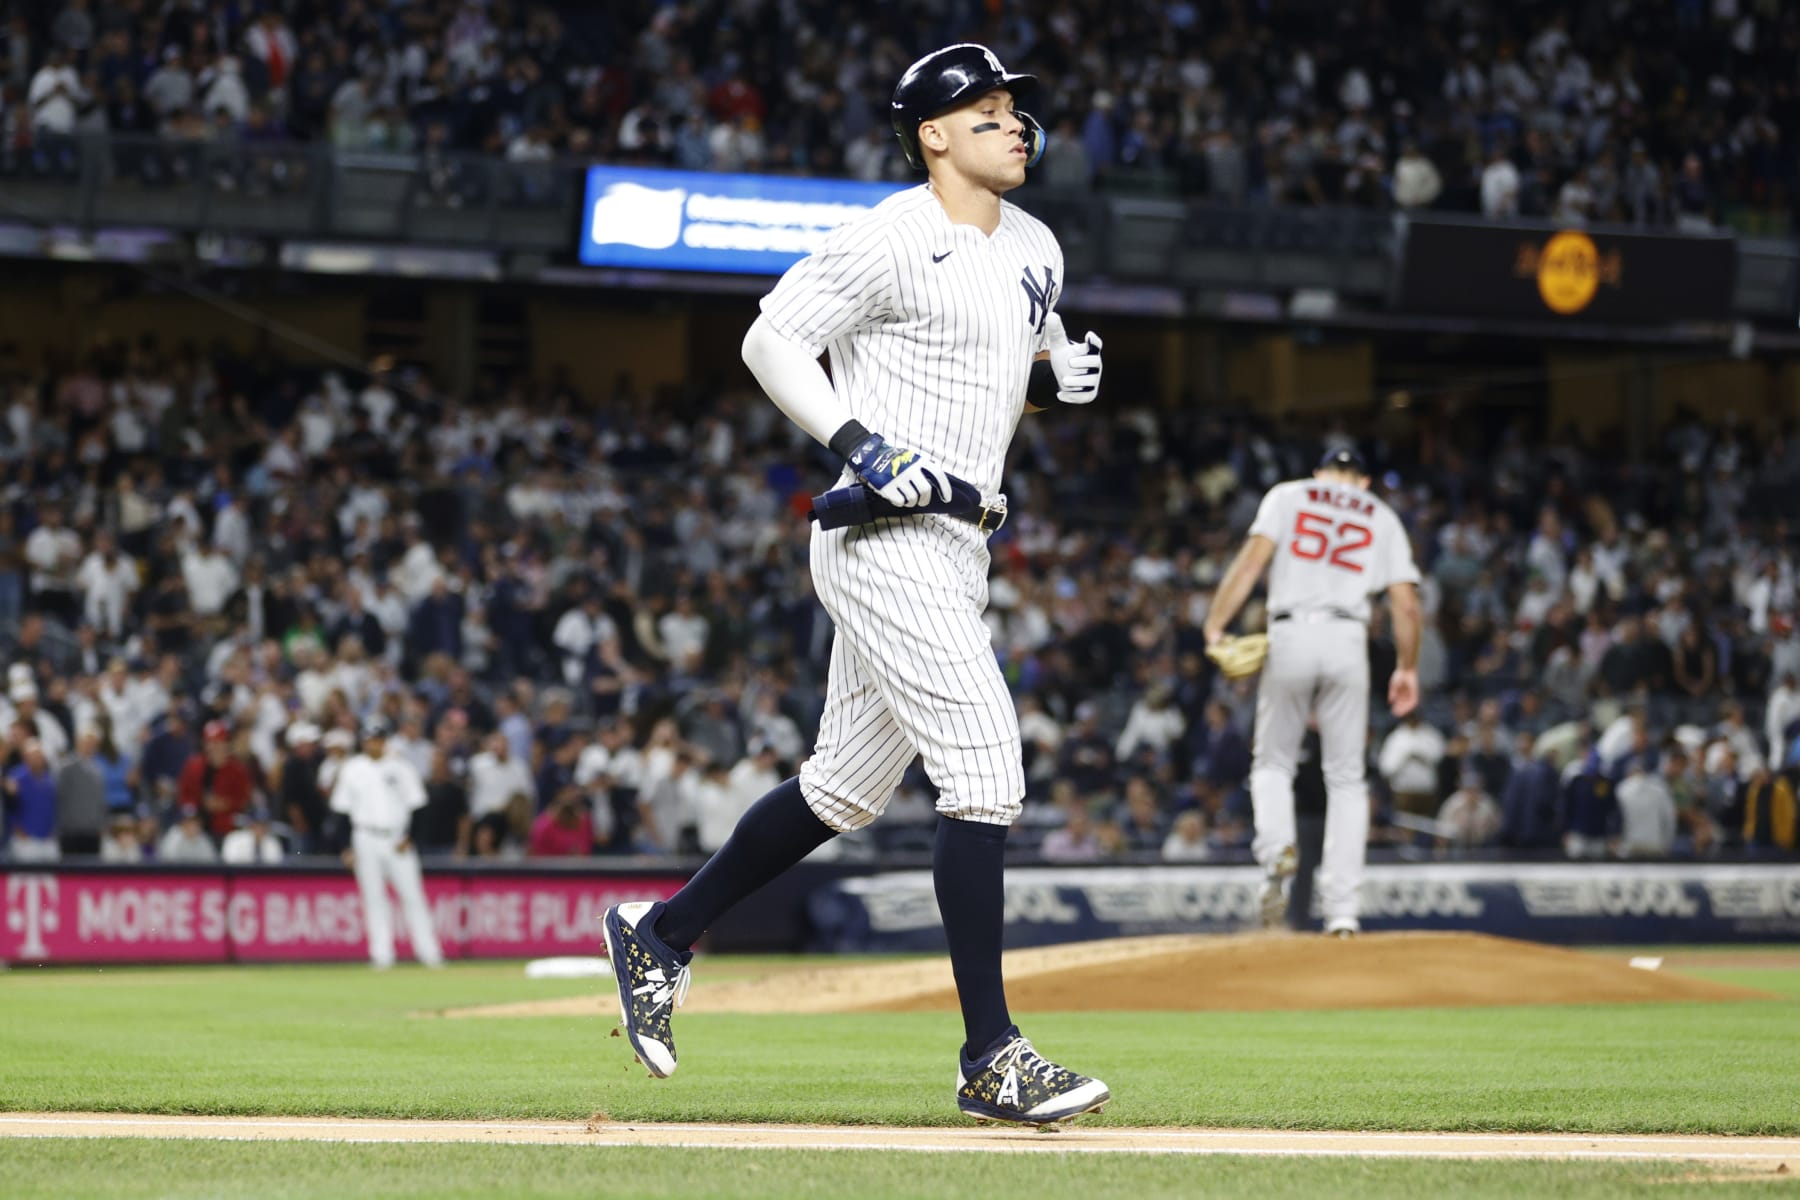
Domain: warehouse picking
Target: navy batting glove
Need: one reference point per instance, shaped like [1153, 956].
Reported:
[904, 478]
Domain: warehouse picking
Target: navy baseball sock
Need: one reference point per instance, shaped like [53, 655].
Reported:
[968, 859]
[775, 833]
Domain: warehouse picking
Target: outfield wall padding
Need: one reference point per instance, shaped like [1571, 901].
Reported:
[1567, 903]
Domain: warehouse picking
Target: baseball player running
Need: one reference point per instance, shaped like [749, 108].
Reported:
[1333, 544]
[379, 792]
[937, 309]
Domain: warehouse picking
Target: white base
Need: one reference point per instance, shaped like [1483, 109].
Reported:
[567, 968]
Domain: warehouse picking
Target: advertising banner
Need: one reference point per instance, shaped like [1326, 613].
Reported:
[519, 916]
[1568, 903]
[319, 918]
[113, 918]
[1582, 276]
[701, 221]
[75, 916]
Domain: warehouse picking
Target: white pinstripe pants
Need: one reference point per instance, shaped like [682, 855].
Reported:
[912, 672]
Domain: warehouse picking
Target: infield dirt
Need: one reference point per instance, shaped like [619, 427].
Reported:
[1199, 974]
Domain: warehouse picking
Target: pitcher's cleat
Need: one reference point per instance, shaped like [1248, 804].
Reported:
[652, 981]
[1343, 928]
[1277, 886]
[1016, 1084]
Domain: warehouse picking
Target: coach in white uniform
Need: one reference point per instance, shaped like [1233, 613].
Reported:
[379, 792]
[1333, 545]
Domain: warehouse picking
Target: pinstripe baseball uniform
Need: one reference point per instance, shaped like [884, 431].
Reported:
[1335, 546]
[931, 328]
[379, 795]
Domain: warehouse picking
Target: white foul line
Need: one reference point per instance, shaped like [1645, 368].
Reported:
[1072, 1140]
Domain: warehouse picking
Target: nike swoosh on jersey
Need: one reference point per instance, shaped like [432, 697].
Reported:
[938, 258]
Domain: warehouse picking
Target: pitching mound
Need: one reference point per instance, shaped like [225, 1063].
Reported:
[1197, 974]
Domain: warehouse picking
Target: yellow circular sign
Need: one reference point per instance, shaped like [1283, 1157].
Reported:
[1568, 272]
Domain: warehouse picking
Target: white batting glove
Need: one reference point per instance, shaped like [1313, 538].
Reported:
[904, 478]
[1076, 365]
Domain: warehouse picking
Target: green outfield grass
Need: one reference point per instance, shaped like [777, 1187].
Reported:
[141, 1170]
[342, 1040]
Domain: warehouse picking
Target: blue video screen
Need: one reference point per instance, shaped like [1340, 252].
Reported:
[699, 221]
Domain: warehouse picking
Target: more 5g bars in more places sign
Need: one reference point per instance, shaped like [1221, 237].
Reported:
[696, 221]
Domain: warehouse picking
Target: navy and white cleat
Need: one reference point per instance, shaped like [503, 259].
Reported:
[652, 981]
[1016, 1084]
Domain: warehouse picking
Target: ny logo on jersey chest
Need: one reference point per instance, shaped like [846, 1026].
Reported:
[1043, 297]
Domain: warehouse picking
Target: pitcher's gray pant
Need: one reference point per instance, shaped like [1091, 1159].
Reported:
[1320, 670]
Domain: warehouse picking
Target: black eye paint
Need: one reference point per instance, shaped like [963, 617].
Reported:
[986, 127]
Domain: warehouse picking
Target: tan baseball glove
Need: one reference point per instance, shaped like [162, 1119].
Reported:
[1239, 656]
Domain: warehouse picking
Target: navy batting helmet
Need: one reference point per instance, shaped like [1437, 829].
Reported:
[1344, 458]
[946, 78]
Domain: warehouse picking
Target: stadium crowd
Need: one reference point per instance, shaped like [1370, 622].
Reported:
[590, 620]
[1679, 113]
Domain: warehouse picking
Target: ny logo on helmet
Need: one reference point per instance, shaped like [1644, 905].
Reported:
[1043, 297]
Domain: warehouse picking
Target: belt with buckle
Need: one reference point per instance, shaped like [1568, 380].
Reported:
[1314, 615]
[988, 518]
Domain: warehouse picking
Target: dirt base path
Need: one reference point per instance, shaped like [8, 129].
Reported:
[1763, 1155]
[1193, 973]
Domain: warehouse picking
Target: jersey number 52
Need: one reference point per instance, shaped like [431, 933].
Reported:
[1314, 535]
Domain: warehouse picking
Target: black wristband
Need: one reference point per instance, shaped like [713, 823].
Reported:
[1041, 391]
[849, 436]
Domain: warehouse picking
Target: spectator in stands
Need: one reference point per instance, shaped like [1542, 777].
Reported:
[1187, 839]
[775, 728]
[1590, 810]
[1470, 816]
[53, 551]
[216, 781]
[120, 844]
[1086, 757]
[30, 788]
[1487, 755]
[187, 840]
[49, 732]
[442, 826]
[165, 755]
[1409, 762]
[563, 830]
[106, 579]
[1222, 755]
[1528, 804]
[210, 579]
[302, 800]
[498, 782]
[1500, 184]
[118, 776]
[81, 799]
[1780, 718]
[56, 96]
[1154, 724]
[665, 797]
[1647, 819]
[1769, 812]
[716, 815]
[1140, 820]
[252, 841]
[1076, 840]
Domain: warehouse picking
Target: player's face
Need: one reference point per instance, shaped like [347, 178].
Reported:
[983, 143]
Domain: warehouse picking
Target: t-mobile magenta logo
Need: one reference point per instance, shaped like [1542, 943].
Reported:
[31, 911]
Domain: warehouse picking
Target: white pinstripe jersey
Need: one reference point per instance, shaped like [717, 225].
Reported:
[1335, 546]
[931, 326]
